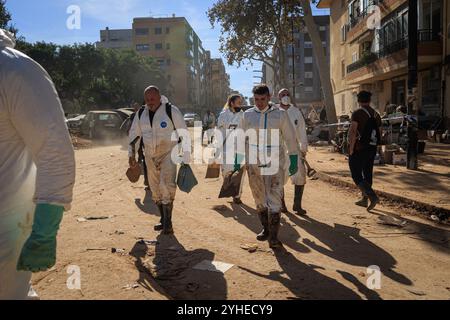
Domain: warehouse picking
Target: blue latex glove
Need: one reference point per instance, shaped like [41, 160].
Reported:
[293, 168]
[39, 251]
[237, 162]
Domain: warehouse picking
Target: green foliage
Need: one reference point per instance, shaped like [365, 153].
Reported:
[253, 29]
[89, 78]
[5, 18]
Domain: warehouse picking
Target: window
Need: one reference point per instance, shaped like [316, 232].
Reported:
[167, 46]
[141, 31]
[308, 89]
[142, 47]
[343, 69]
[158, 30]
[324, 44]
[343, 103]
[322, 28]
[167, 30]
[344, 33]
[308, 60]
[308, 44]
[158, 46]
[308, 75]
[355, 57]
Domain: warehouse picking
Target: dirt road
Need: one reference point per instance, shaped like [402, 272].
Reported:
[326, 254]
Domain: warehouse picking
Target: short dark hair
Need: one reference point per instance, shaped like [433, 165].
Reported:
[364, 97]
[261, 89]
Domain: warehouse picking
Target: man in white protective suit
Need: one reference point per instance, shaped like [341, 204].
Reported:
[228, 121]
[37, 170]
[299, 179]
[156, 124]
[268, 129]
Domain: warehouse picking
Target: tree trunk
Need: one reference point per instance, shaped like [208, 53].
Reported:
[324, 69]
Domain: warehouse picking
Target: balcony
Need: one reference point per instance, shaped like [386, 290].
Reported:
[358, 22]
[391, 58]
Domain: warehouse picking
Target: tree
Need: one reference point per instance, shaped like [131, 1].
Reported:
[261, 30]
[324, 69]
[5, 18]
[256, 30]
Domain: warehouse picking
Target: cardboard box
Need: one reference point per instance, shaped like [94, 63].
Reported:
[399, 159]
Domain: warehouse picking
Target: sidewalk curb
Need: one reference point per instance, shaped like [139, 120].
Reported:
[425, 209]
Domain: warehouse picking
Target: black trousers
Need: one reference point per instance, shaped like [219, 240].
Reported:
[361, 165]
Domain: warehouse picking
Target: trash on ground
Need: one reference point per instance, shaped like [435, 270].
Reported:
[391, 221]
[149, 242]
[252, 248]
[130, 286]
[121, 251]
[417, 293]
[213, 266]
[85, 219]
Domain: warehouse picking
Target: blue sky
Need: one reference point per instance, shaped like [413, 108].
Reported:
[45, 20]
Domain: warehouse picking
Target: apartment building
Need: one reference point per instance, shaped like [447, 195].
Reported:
[116, 39]
[220, 84]
[374, 57]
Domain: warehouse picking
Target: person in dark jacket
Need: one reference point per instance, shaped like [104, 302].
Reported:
[364, 138]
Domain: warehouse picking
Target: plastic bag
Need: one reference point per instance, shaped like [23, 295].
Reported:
[186, 180]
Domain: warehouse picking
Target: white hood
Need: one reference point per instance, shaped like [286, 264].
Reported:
[7, 39]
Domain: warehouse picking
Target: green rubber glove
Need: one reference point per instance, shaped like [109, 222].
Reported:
[39, 251]
[293, 168]
[237, 162]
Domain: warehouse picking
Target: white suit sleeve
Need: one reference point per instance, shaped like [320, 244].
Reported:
[180, 124]
[36, 113]
[135, 132]
[289, 134]
[301, 134]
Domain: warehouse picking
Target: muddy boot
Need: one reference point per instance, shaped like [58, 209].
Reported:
[167, 221]
[364, 202]
[264, 218]
[283, 206]
[368, 192]
[298, 201]
[159, 226]
[274, 228]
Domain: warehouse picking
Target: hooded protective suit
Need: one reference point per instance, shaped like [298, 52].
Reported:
[158, 146]
[37, 164]
[267, 185]
[298, 121]
[228, 121]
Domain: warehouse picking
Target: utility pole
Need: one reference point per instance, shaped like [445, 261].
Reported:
[413, 111]
[293, 63]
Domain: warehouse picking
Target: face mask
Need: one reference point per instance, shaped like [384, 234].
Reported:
[286, 101]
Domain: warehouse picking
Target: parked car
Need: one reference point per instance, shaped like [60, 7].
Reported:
[191, 118]
[102, 124]
[74, 124]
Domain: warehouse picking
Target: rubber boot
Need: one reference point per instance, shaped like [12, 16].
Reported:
[364, 202]
[264, 218]
[283, 205]
[274, 228]
[167, 221]
[368, 192]
[299, 190]
[159, 226]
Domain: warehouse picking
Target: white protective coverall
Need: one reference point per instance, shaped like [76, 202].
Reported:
[298, 121]
[37, 164]
[228, 121]
[267, 189]
[158, 146]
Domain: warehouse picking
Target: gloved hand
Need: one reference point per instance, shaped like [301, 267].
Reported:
[39, 251]
[237, 162]
[293, 168]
